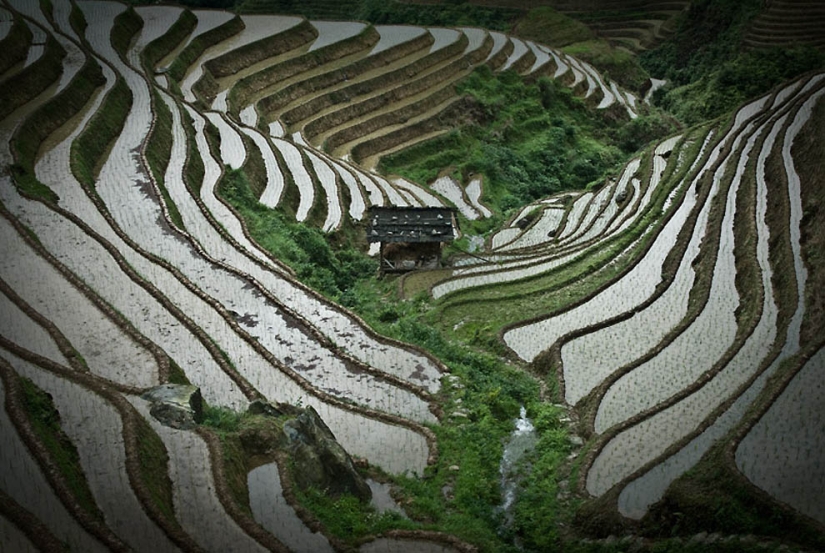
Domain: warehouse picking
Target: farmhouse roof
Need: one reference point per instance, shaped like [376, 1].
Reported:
[410, 224]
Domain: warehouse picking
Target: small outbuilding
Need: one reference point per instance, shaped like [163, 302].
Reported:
[411, 237]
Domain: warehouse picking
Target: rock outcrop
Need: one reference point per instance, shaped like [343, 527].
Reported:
[319, 459]
[176, 405]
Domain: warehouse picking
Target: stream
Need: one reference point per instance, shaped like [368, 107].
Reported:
[522, 441]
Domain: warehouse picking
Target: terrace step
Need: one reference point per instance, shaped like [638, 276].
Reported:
[324, 111]
[301, 91]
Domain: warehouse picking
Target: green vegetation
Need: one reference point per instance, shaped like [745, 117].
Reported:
[709, 498]
[159, 152]
[34, 79]
[197, 46]
[44, 121]
[547, 26]
[612, 63]
[491, 398]
[193, 171]
[15, 47]
[222, 419]
[448, 13]
[710, 72]
[126, 26]
[154, 463]
[529, 140]
[89, 149]
[536, 519]
[45, 422]
[346, 517]
[77, 20]
[163, 45]
[493, 393]
[332, 271]
[245, 441]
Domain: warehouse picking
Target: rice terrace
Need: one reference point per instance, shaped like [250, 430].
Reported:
[412, 276]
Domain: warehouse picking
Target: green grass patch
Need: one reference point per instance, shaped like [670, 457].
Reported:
[547, 26]
[245, 441]
[194, 171]
[177, 374]
[159, 152]
[482, 312]
[90, 147]
[15, 47]
[127, 24]
[45, 422]
[613, 63]
[331, 270]
[34, 79]
[77, 20]
[444, 14]
[47, 119]
[222, 419]
[528, 140]
[154, 463]
[164, 44]
[198, 45]
[493, 394]
[709, 71]
[537, 511]
[339, 9]
[347, 518]
[710, 498]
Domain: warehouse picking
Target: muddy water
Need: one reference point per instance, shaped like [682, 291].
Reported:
[638, 495]
[17, 327]
[197, 506]
[22, 479]
[637, 285]
[95, 428]
[11, 538]
[108, 351]
[272, 512]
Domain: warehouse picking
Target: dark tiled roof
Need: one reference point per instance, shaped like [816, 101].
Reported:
[410, 224]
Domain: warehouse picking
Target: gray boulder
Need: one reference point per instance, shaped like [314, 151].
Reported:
[176, 405]
[319, 459]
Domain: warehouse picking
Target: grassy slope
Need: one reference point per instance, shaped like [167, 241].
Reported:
[529, 140]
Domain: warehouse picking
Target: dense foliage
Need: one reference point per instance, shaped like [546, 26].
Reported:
[709, 71]
[529, 140]
[306, 249]
[447, 14]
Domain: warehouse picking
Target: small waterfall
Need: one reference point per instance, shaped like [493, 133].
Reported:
[522, 440]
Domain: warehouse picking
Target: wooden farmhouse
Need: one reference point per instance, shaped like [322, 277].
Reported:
[411, 237]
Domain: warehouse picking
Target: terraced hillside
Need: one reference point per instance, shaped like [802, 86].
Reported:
[685, 314]
[788, 23]
[635, 25]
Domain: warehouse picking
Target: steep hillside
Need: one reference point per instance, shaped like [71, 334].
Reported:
[196, 354]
